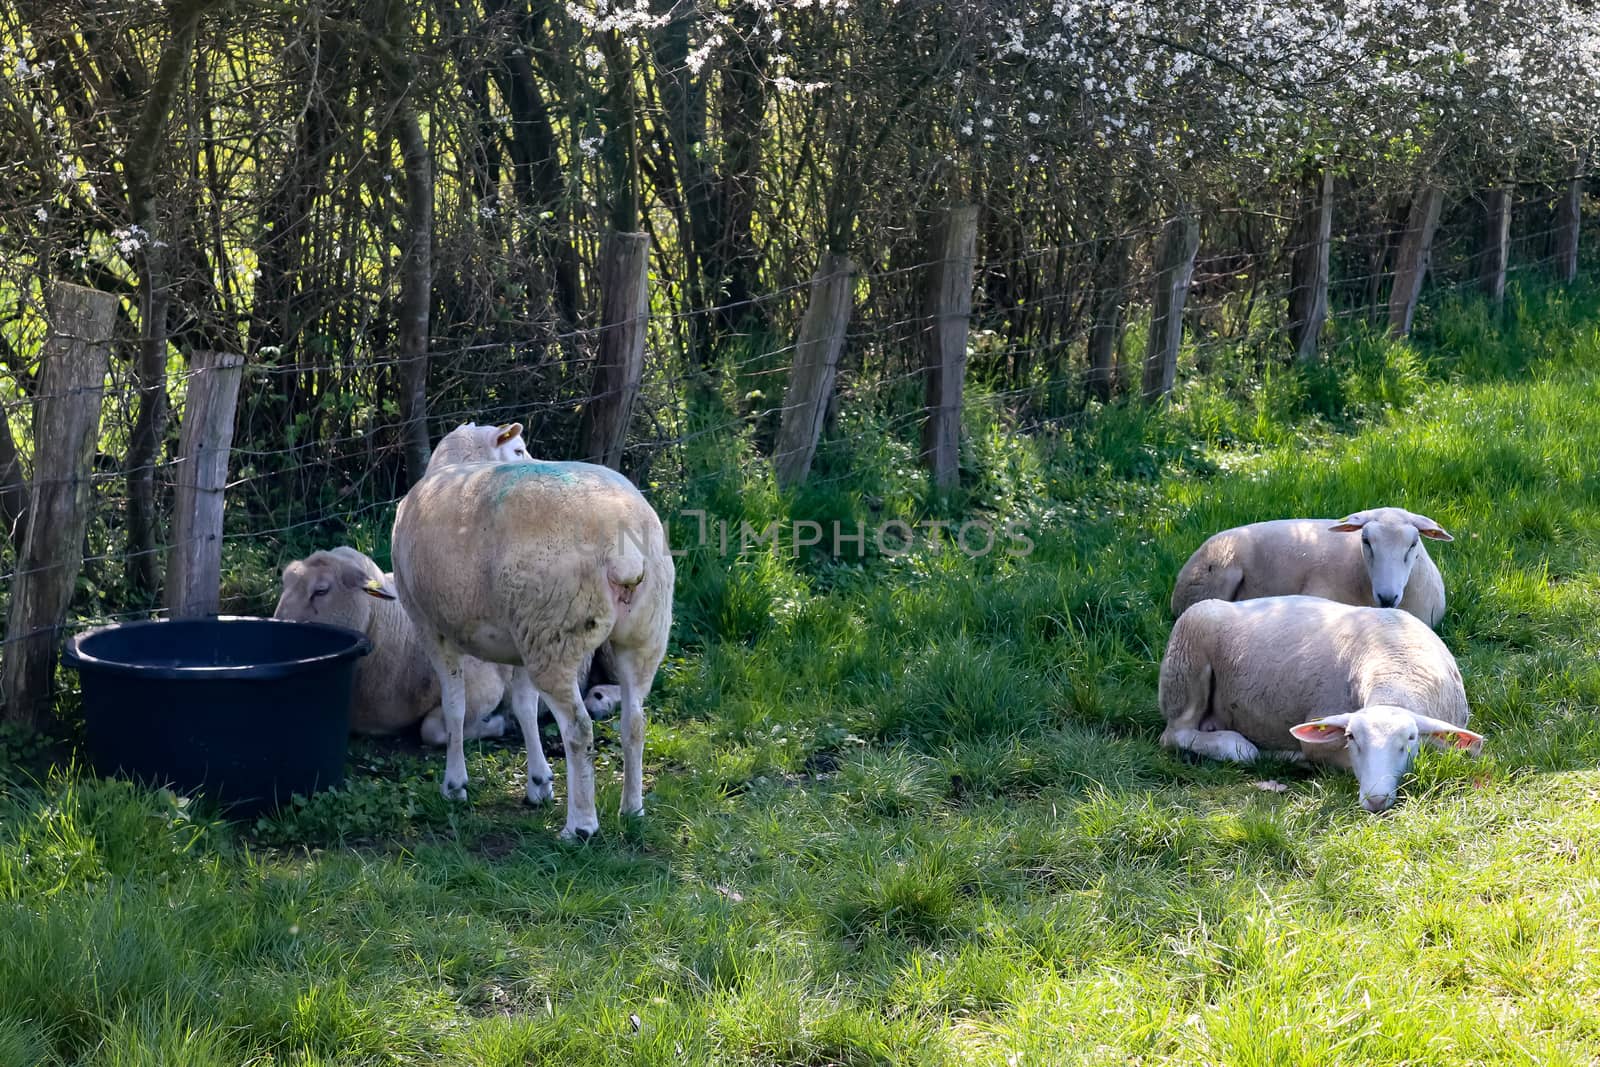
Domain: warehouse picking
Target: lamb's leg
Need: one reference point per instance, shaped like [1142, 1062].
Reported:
[577, 737]
[635, 682]
[525, 706]
[453, 708]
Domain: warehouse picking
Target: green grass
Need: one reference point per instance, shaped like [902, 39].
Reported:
[912, 811]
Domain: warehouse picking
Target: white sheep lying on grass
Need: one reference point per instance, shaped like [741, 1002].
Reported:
[1387, 566]
[395, 687]
[539, 565]
[1356, 687]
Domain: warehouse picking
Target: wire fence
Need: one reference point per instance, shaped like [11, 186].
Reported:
[318, 458]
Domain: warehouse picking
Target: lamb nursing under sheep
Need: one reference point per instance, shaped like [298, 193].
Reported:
[1357, 687]
[1387, 566]
[539, 565]
[395, 687]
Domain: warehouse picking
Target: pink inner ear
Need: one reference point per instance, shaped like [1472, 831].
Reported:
[1463, 740]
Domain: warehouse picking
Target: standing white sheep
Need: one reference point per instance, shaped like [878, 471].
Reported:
[471, 443]
[539, 565]
[395, 686]
[1387, 566]
[1356, 687]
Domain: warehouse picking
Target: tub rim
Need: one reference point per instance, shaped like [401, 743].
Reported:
[76, 657]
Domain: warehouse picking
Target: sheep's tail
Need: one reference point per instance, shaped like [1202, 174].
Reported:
[625, 569]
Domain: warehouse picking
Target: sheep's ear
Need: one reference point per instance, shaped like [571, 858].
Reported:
[508, 432]
[1325, 731]
[1441, 734]
[374, 588]
[1430, 529]
[1350, 523]
[354, 576]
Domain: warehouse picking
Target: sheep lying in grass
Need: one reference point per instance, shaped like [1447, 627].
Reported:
[1387, 566]
[1356, 687]
[539, 565]
[395, 686]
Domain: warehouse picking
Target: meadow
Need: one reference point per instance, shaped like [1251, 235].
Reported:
[910, 809]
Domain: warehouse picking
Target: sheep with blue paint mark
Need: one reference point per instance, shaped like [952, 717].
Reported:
[539, 565]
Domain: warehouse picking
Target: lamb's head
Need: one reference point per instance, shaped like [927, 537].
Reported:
[1378, 743]
[335, 586]
[471, 443]
[1391, 541]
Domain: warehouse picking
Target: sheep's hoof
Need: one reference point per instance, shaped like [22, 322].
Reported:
[454, 790]
[578, 833]
[539, 792]
[634, 812]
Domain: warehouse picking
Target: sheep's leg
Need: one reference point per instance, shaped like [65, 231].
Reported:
[577, 737]
[453, 708]
[1185, 694]
[525, 706]
[1218, 744]
[635, 687]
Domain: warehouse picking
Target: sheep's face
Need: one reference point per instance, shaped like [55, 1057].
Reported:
[1379, 743]
[1391, 541]
[333, 587]
[1390, 550]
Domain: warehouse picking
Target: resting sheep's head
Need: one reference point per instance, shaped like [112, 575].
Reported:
[471, 443]
[334, 587]
[1378, 743]
[1391, 541]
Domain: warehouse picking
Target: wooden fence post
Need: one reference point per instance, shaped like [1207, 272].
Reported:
[619, 364]
[1496, 251]
[1110, 297]
[1308, 279]
[948, 308]
[414, 330]
[194, 562]
[1411, 259]
[816, 358]
[1569, 217]
[1180, 241]
[66, 424]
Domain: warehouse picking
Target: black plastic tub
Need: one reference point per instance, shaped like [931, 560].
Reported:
[247, 711]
